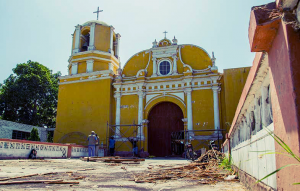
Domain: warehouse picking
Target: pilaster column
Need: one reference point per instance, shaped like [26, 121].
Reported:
[141, 95]
[154, 67]
[74, 68]
[118, 45]
[110, 67]
[92, 37]
[216, 107]
[77, 39]
[72, 44]
[175, 64]
[111, 40]
[189, 109]
[118, 113]
[141, 130]
[89, 66]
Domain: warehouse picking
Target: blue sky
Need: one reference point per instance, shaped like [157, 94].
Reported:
[40, 30]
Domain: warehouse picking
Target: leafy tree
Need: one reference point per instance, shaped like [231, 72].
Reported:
[50, 137]
[29, 95]
[34, 135]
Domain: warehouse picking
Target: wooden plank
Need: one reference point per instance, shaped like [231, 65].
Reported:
[4, 179]
[29, 181]
[123, 160]
[62, 182]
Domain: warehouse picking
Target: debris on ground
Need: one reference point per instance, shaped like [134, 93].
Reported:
[231, 177]
[211, 154]
[86, 169]
[205, 169]
[112, 159]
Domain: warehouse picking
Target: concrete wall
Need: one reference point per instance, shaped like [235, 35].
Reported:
[234, 82]
[20, 149]
[7, 127]
[247, 139]
[79, 151]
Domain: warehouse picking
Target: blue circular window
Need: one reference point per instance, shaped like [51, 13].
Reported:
[164, 67]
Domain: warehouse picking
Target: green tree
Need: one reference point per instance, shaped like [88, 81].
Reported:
[50, 137]
[34, 135]
[29, 95]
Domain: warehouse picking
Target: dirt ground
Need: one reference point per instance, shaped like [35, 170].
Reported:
[99, 175]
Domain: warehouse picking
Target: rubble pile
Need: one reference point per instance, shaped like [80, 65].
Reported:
[206, 172]
[209, 155]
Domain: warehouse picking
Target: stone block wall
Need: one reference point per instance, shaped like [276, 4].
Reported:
[7, 127]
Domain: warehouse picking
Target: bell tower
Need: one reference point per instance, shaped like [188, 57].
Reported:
[85, 95]
[95, 47]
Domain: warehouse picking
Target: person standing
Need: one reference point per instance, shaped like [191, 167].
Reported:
[93, 140]
[97, 145]
[134, 146]
[112, 143]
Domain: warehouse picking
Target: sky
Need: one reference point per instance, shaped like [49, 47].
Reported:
[40, 30]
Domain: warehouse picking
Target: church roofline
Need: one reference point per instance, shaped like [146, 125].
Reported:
[95, 21]
[164, 47]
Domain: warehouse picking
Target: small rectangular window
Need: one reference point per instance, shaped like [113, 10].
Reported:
[20, 135]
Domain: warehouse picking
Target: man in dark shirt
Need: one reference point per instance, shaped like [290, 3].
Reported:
[134, 146]
[112, 143]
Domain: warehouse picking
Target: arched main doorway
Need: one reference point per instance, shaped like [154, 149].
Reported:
[164, 118]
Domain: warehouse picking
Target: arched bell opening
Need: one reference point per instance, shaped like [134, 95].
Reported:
[85, 39]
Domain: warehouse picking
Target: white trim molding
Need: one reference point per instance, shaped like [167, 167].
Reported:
[94, 58]
[164, 94]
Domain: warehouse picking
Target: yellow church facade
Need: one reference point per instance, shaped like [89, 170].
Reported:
[167, 88]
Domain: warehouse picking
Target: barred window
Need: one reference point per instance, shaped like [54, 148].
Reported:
[20, 135]
[164, 68]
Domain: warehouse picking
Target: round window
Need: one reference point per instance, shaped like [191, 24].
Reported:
[164, 67]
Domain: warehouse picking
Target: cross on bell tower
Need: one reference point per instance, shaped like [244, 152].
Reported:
[98, 11]
[165, 34]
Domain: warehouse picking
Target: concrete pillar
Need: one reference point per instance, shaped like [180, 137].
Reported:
[72, 44]
[77, 39]
[140, 112]
[141, 129]
[111, 40]
[175, 64]
[118, 114]
[216, 107]
[189, 109]
[118, 45]
[154, 67]
[92, 37]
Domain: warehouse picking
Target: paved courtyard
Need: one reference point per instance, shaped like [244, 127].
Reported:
[99, 175]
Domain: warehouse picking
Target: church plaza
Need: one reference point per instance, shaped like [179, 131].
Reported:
[100, 176]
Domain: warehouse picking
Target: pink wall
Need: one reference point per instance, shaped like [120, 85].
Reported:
[284, 62]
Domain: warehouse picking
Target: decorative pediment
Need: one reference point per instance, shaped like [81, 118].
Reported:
[162, 52]
[164, 42]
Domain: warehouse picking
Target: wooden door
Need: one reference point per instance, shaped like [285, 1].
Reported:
[164, 118]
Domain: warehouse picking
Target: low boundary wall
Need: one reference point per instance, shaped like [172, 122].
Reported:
[20, 149]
